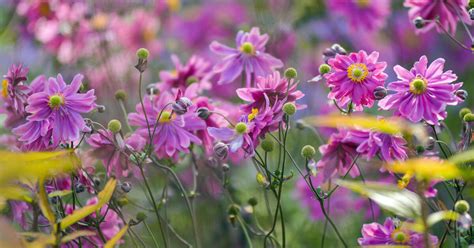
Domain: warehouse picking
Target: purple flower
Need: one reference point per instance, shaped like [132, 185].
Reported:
[195, 74]
[354, 78]
[115, 151]
[449, 13]
[174, 133]
[423, 92]
[338, 156]
[391, 234]
[61, 105]
[14, 91]
[249, 56]
[371, 143]
[362, 15]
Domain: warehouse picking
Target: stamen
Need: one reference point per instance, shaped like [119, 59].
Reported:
[357, 72]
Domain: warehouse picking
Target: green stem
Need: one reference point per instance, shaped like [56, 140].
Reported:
[151, 233]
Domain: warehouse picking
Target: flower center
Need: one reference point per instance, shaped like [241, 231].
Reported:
[252, 115]
[5, 88]
[56, 101]
[241, 128]
[418, 86]
[247, 48]
[357, 72]
[399, 237]
[362, 3]
[165, 117]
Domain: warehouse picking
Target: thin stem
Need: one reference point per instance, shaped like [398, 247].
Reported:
[151, 233]
[125, 114]
[246, 234]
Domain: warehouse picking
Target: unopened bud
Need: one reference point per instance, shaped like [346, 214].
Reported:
[141, 216]
[122, 201]
[151, 89]
[308, 151]
[126, 187]
[461, 94]
[114, 126]
[79, 187]
[291, 73]
[471, 13]
[419, 22]
[324, 68]
[221, 150]
[253, 201]
[380, 93]
[203, 113]
[468, 117]
[289, 108]
[143, 53]
[267, 144]
[120, 95]
[430, 144]
[461, 206]
[100, 108]
[181, 105]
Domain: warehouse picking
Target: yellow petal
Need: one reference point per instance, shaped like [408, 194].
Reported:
[116, 238]
[44, 205]
[427, 168]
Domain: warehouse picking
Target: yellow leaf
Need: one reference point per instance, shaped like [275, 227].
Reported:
[427, 168]
[463, 157]
[103, 197]
[15, 192]
[44, 205]
[116, 238]
[75, 235]
[60, 193]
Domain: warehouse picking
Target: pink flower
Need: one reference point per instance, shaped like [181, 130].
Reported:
[423, 92]
[249, 57]
[354, 77]
[449, 13]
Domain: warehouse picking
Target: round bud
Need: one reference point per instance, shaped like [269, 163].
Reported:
[289, 108]
[114, 126]
[141, 216]
[420, 149]
[291, 73]
[233, 209]
[120, 95]
[471, 13]
[308, 151]
[461, 206]
[143, 53]
[96, 181]
[463, 112]
[430, 144]
[100, 108]
[203, 113]
[221, 150]
[225, 167]
[419, 22]
[151, 89]
[79, 187]
[253, 201]
[241, 128]
[122, 201]
[324, 68]
[126, 187]
[267, 144]
[380, 93]
[468, 117]
[462, 94]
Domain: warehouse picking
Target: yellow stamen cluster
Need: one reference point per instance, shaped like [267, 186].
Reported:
[403, 183]
[56, 101]
[252, 115]
[165, 117]
[247, 48]
[418, 86]
[357, 72]
[400, 237]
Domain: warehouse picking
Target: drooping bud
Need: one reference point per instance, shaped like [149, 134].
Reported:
[203, 113]
[308, 151]
[462, 94]
[289, 108]
[463, 112]
[430, 144]
[151, 89]
[324, 68]
[181, 105]
[221, 150]
[100, 108]
[461, 206]
[126, 187]
[79, 187]
[469, 117]
[471, 13]
[291, 73]
[332, 52]
[380, 93]
[225, 167]
[419, 22]
[114, 126]
[120, 95]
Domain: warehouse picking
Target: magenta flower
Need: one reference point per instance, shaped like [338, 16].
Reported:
[423, 92]
[449, 13]
[362, 15]
[390, 234]
[61, 105]
[115, 152]
[389, 147]
[195, 74]
[354, 77]
[174, 133]
[272, 86]
[338, 156]
[249, 56]
[14, 91]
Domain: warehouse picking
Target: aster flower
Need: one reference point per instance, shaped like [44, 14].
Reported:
[14, 91]
[115, 151]
[354, 78]
[362, 15]
[195, 74]
[423, 92]
[249, 56]
[337, 156]
[390, 234]
[390, 147]
[61, 105]
[174, 133]
[449, 13]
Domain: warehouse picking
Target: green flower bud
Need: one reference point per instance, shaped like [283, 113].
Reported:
[291, 73]
[463, 112]
[324, 68]
[121, 95]
[141, 216]
[461, 206]
[253, 201]
[233, 209]
[114, 126]
[468, 117]
[308, 151]
[122, 201]
[289, 108]
[267, 145]
[143, 53]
